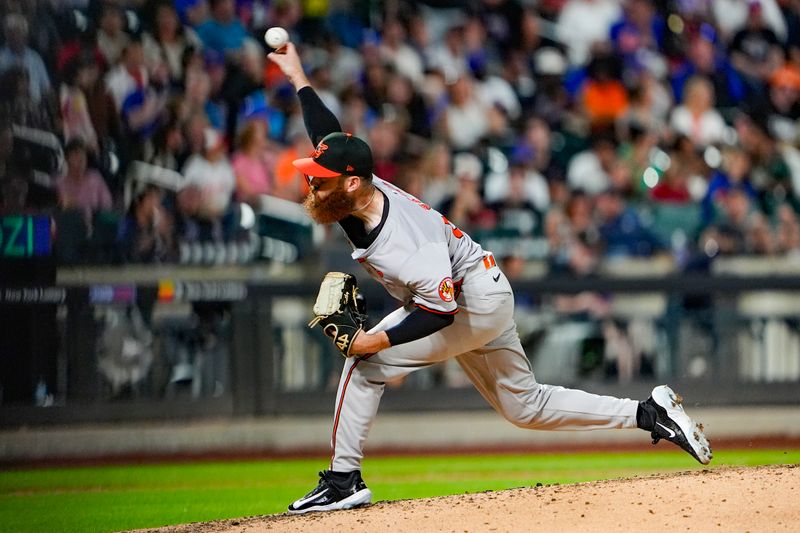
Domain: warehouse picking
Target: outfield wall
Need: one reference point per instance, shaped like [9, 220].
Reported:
[196, 361]
[441, 432]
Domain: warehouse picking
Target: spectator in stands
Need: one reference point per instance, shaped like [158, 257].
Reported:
[169, 42]
[187, 223]
[16, 52]
[192, 12]
[17, 105]
[247, 76]
[532, 38]
[193, 129]
[792, 41]
[346, 64]
[223, 32]
[783, 105]
[449, 56]
[734, 222]
[504, 21]
[287, 13]
[466, 208]
[731, 15]
[733, 172]
[466, 118]
[639, 36]
[78, 37]
[138, 102]
[44, 27]
[112, 38]
[146, 233]
[756, 51]
[558, 231]
[254, 162]
[270, 107]
[520, 181]
[407, 103]
[635, 154]
[81, 73]
[603, 97]
[386, 138]
[578, 210]
[649, 103]
[621, 228]
[12, 188]
[254, 15]
[102, 109]
[705, 59]
[211, 173]
[535, 146]
[582, 23]
[760, 237]
[216, 108]
[168, 145]
[590, 169]
[696, 117]
[551, 99]
[769, 175]
[621, 179]
[519, 203]
[196, 94]
[488, 77]
[290, 184]
[673, 187]
[356, 113]
[81, 187]
[396, 52]
[13, 193]
[439, 181]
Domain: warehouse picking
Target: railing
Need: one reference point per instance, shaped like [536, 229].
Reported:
[195, 349]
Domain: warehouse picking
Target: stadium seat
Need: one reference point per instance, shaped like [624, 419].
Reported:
[72, 237]
[103, 242]
[669, 218]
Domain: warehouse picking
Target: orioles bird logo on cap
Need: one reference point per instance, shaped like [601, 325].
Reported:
[321, 147]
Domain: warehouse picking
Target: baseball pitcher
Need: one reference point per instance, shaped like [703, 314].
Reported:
[456, 304]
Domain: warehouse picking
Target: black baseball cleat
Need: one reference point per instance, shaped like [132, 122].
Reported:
[335, 491]
[674, 425]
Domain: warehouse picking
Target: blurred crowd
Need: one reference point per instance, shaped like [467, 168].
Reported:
[570, 131]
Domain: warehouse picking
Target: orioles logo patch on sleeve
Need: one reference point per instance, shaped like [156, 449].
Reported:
[446, 290]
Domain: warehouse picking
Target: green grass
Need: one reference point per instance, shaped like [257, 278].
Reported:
[110, 498]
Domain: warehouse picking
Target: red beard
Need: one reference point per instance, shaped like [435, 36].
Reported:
[333, 208]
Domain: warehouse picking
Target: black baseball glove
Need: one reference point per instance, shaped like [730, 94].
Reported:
[340, 310]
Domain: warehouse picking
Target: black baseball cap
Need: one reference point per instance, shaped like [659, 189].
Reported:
[336, 154]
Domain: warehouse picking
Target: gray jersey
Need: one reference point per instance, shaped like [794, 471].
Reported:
[418, 255]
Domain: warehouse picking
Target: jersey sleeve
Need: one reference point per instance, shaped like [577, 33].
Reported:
[318, 119]
[428, 275]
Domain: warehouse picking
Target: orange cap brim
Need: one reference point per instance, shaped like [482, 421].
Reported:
[308, 166]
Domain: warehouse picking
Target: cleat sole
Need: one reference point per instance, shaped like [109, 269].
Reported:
[692, 431]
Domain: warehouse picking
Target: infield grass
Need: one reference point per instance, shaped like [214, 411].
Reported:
[113, 498]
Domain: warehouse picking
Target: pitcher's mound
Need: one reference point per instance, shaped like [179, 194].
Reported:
[723, 499]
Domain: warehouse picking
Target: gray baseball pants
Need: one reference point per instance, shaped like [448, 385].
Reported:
[483, 339]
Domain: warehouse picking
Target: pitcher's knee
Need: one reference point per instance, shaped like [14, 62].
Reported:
[523, 408]
[525, 418]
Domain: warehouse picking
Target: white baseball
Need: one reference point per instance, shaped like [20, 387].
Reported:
[276, 37]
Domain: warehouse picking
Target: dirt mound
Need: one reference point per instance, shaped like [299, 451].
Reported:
[720, 499]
